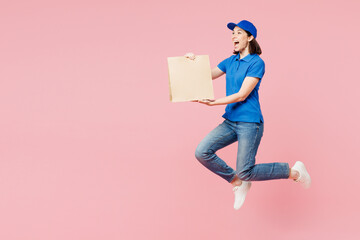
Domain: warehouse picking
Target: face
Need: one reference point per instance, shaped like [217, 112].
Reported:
[240, 39]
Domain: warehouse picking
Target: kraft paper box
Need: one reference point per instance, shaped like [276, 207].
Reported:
[190, 79]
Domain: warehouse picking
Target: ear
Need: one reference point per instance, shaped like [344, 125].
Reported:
[250, 38]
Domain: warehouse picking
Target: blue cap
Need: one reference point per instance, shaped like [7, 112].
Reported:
[246, 25]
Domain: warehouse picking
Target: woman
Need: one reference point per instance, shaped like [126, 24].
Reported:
[243, 119]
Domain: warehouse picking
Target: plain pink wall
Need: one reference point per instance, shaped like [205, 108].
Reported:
[91, 148]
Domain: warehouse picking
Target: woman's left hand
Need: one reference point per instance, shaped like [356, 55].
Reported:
[209, 102]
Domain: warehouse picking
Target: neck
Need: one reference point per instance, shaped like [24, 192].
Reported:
[244, 52]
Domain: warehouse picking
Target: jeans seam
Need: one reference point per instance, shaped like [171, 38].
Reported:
[252, 146]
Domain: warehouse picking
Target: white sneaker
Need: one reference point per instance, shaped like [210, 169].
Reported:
[304, 177]
[240, 194]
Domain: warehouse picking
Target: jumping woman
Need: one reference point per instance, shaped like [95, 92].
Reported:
[243, 119]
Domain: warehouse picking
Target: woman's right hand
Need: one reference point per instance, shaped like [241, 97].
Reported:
[191, 56]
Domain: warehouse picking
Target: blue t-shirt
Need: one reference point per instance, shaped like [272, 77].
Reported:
[236, 70]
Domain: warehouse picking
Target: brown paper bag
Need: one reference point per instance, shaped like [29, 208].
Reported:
[190, 79]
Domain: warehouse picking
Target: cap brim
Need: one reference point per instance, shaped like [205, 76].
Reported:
[231, 26]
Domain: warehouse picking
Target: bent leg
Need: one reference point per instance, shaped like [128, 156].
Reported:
[249, 137]
[223, 135]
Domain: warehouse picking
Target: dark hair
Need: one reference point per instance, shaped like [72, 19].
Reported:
[254, 46]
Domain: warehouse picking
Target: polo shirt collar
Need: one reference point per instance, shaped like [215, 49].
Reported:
[247, 58]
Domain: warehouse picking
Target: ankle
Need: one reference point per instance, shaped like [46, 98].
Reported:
[236, 182]
[294, 174]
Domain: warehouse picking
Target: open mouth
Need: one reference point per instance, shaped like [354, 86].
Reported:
[236, 43]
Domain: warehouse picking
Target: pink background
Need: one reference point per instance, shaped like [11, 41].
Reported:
[91, 147]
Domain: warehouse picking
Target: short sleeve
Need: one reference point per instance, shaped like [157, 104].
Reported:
[222, 65]
[257, 69]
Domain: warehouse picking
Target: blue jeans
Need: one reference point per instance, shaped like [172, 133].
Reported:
[248, 135]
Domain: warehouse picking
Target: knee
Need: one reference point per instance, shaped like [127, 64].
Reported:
[201, 153]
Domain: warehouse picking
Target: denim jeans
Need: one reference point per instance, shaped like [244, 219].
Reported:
[248, 135]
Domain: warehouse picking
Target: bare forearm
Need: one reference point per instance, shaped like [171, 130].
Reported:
[229, 99]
